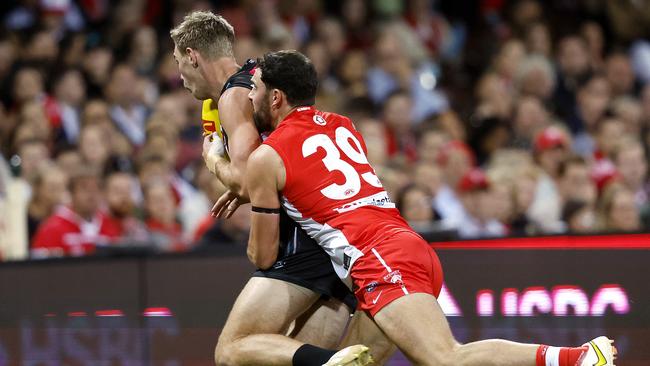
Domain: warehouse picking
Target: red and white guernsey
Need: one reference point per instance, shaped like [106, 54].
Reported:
[331, 190]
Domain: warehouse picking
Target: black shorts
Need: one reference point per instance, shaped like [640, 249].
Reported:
[303, 262]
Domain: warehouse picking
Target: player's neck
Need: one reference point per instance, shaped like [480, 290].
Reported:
[218, 72]
[283, 113]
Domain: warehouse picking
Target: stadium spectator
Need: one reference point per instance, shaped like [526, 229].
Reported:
[535, 77]
[127, 106]
[121, 193]
[375, 135]
[77, 229]
[632, 166]
[617, 211]
[430, 142]
[455, 159]
[628, 110]
[428, 177]
[96, 86]
[479, 219]
[69, 94]
[538, 40]
[529, 117]
[399, 133]
[160, 212]
[32, 155]
[575, 181]
[551, 149]
[593, 34]
[524, 190]
[620, 75]
[579, 217]
[414, 204]
[94, 147]
[50, 190]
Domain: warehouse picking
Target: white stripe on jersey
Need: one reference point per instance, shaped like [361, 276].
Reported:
[374, 251]
[332, 240]
[383, 262]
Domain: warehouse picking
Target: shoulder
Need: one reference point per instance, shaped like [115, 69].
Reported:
[233, 103]
[265, 166]
[234, 97]
[241, 78]
[264, 157]
[330, 116]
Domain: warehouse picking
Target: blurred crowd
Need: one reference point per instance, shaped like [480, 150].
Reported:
[483, 118]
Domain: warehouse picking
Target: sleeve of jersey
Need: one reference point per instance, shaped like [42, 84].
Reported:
[274, 142]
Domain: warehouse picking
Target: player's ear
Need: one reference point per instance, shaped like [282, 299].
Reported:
[193, 57]
[276, 100]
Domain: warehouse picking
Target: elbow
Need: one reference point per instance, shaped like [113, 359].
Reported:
[261, 260]
[265, 263]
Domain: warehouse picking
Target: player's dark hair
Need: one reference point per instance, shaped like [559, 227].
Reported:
[292, 73]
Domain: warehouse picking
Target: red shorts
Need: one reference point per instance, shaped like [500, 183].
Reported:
[400, 265]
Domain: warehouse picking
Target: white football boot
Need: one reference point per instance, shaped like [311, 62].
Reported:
[357, 355]
[601, 352]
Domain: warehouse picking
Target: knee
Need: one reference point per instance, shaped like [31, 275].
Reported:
[447, 355]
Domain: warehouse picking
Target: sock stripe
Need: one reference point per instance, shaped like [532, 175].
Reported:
[553, 356]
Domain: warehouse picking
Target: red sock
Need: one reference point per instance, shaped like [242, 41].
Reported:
[558, 356]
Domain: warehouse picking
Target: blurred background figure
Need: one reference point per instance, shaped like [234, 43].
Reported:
[160, 213]
[76, 229]
[50, 191]
[479, 218]
[517, 89]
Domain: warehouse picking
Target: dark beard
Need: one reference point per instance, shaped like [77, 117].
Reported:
[262, 118]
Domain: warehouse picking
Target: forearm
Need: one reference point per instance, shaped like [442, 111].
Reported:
[228, 174]
[263, 239]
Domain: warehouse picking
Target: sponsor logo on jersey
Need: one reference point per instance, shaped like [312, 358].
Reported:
[319, 120]
[380, 200]
[374, 301]
[393, 277]
[372, 286]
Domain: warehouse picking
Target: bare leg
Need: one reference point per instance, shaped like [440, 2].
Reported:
[418, 326]
[322, 325]
[363, 330]
[263, 311]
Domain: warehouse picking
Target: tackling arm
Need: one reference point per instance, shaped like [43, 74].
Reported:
[264, 180]
[236, 115]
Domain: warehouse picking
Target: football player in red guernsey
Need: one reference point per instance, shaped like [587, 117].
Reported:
[300, 286]
[314, 166]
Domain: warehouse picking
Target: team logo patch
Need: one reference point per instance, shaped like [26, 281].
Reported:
[372, 286]
[393, 277]
[319, 120]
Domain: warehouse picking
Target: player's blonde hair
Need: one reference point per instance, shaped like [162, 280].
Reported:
[206, 32]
